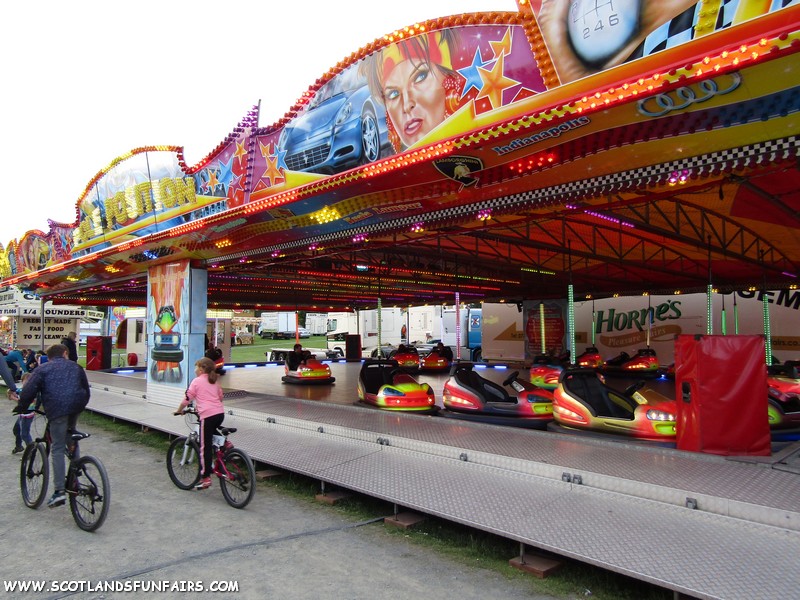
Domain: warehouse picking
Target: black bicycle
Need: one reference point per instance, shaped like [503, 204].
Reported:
[232, 466]
[87, 486]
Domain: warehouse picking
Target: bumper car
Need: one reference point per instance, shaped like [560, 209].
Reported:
[467, 395]
[545, 372]
[309, 372]
[407, 358]
[783, 382]
[644, 364]
[216, 355]
[382, 384]
[590, 359]
[435, 362]
[384, 351]
[583, 402]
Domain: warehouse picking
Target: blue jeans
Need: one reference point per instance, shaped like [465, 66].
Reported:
[22, 430]
[58, 439]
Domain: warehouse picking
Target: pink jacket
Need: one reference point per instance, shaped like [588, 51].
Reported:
[207, 396]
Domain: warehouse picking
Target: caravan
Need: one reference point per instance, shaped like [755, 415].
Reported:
[365, 323]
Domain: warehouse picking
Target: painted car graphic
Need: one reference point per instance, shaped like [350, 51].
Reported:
[342, 127]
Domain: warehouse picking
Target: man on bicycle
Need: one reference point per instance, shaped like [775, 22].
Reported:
[65, 393]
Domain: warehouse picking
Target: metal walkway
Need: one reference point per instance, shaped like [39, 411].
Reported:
[701, 525]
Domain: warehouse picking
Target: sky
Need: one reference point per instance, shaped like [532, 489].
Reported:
[87, 81]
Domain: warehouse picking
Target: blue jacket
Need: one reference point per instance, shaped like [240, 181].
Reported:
[64, 388]
[5, 373]
[15, 356]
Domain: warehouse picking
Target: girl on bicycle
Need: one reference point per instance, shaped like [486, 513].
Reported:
[206, 392]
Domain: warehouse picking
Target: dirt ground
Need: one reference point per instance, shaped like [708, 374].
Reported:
[279, 547]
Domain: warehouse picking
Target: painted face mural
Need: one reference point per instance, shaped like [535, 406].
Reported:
[414, 96]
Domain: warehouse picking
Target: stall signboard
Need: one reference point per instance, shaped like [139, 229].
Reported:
[21, 313]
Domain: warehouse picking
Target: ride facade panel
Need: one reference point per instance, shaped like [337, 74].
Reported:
[559, 107]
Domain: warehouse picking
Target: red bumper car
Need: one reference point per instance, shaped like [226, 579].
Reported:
[467, 395]
[309, 372]
[643, 365]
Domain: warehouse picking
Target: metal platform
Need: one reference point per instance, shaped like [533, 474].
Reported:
[702, 525]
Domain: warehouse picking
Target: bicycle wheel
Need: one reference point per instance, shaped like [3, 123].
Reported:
[89, 492]
[34, 474]
[183, 462]
[238, 485]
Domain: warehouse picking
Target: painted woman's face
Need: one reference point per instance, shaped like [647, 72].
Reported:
[415, 100]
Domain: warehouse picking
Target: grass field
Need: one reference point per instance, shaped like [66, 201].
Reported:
[246, 353]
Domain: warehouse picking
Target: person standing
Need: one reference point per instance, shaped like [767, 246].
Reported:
[71, 346]
[65, 393]
[206, 392]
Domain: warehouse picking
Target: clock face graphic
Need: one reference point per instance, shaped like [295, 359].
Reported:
[599, 29]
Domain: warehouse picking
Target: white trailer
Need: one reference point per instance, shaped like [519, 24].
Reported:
[340, 325]
[424, 323]
[391, 326]
[502, 334]
[317, 323]
[365, 324]
[278, 325]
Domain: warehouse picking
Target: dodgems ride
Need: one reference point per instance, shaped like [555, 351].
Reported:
[407, 358]
[590, 359]
[783, 385]
[382, 384]
[439, 359]
[643, 364]
[545, 372]
[467, 395]
[306, 371]
[582, 401]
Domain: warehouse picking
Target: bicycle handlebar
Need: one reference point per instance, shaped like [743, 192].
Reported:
[187, 410]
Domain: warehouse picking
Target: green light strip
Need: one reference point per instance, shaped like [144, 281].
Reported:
[571, 321]
[541, 325]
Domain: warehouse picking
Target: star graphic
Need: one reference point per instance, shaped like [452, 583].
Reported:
[236, 183]
[281, 154]
[471, 74]
[225, 172]
[494, 83]
[212, 181]
[266, 151]
[503, 46]
[203, 181]
[272, 173]
[240, 152]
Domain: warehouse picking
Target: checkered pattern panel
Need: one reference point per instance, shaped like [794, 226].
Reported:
[761, 153]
